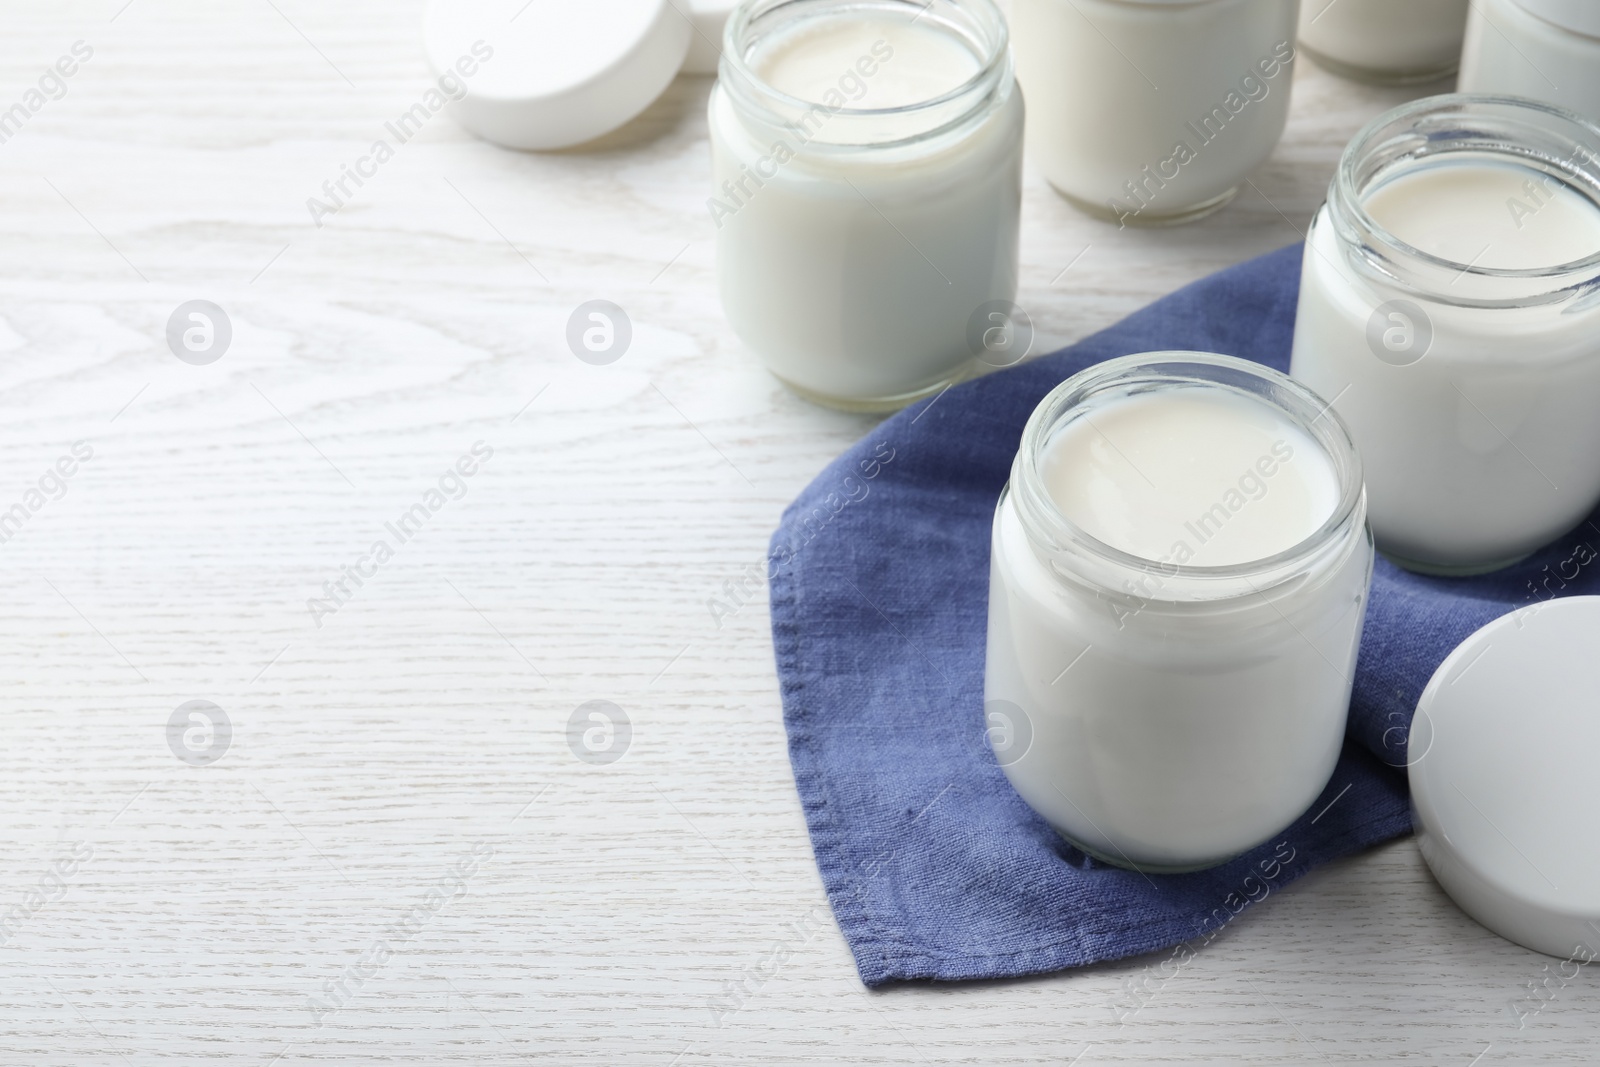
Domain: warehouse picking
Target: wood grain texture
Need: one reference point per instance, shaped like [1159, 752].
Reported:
[617, 905]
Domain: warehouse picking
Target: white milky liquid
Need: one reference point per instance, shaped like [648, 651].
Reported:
[1385, 38]
[925, 62]
[1511, 51]
[1194, 475]
[854, 272]
[1161, 729]
[1492, 214]
[1146, 112]
[1484, 448]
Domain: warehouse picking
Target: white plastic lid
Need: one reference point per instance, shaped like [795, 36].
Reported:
[705, 46]
[560, 72]
[1502, 758]
[1579, 16]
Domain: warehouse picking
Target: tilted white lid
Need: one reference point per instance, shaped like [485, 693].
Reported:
[1502, 756]
[1579, 16]
[562, 71]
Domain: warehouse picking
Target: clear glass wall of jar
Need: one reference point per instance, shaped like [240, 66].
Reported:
[858, 242]
[1472, 390]
[1152, 112]
[1385, 42]
[1170, 716]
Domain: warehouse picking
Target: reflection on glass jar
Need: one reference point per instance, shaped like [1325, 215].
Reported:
[1151, 112]
[1387, 42]
[867, 171]
[1179, 573]
[1450, 309]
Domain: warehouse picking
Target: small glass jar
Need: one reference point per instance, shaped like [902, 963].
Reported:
[856, 244]
[1169, 716]
[1545, 49]
[1384, 42]
[1151, 112]
[1472, 391]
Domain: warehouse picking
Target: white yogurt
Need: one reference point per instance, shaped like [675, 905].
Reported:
[1484, 209]
[868, 186]
[1544, 49]
[1385, 41]
[1471, 392]
[916, 62]
[1178, 575]
[1153, 112]
[1207, 475]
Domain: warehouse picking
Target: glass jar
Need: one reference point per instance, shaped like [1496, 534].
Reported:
[1470, 380]
[1151, 112]
[1545, 49]
[1166, 715]
[860, 236]
[1385, 42]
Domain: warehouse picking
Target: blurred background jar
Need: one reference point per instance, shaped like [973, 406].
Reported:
[867, 170]
[1152, 112]
[1386, 42]
[1545, 49]
[1450, 312]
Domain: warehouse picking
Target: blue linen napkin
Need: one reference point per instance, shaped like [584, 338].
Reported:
[935, 868]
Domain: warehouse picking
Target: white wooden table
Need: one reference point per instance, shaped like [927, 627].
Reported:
[156, 911]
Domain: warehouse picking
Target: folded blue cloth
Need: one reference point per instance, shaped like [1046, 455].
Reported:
[879, 586]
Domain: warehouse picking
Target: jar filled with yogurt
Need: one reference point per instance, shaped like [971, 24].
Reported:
[1152, 112]
[867, 169]
[1387, 42]
[1179, 573]
[1450, 310]
[1545, 49]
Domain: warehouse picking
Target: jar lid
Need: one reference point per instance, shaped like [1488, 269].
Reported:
[1501, 760]
[560, 72]
[1579, 16]
[705, 49]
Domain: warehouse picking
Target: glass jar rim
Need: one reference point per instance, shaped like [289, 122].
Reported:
[1060, 537]
[988, 33]
[1529, 117]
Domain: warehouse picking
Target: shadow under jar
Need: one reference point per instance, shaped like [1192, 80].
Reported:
[867, 162]
[1152, 112]
[1450, 309]
[1179, 572]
